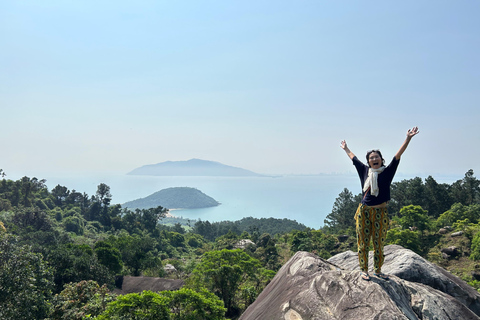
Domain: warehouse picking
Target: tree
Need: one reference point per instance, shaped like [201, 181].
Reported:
[313, 241]
[80, 299]
[74, 263]
[223, 273]
[407, 192]
[28, 189]
[139, 252]
[150, 217]
[183, 304]
[187, 304]
[109, 256]
[267, 252]
[459, 212]
[467, 190]
[103, 194]
[32, 219]
[144, 306]
[405, 238]
[341, 217]
[75, 224]
[25, 281]
[414, 216]
[60, 195]
[205, 229]
[475, 253]
[438, 197]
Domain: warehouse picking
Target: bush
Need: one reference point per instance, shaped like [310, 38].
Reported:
[183, 304]
[405, 238]
[81, 299]
[459, 212]
[26, 282]
[144, 306]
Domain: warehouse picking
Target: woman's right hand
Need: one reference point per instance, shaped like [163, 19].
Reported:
[343, 144]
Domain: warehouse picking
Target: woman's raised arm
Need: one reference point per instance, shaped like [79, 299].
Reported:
[410, 134]
[343, 145]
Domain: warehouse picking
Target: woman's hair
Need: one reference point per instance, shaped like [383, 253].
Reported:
[379, 153]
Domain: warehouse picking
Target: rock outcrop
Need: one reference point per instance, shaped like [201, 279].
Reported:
[138, 284]
[244, 243]
[308, 287]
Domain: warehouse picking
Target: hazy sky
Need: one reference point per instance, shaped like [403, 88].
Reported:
[269, 86]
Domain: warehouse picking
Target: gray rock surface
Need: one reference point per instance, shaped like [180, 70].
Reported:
[308, 287]
[409, 266]
[451, 251]
[138, 284]
[244, 243]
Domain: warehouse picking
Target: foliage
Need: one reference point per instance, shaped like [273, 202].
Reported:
[145, 306]
[174, 198]
[144, 219]
[341, 217]
[109, 256]
[85, 239]
[227, 241]
[267, 252]
[183, 304]
[459, 212]
[466, 190]
[438, 198]
[211, 231]
[475, 247]
[224, 272]
[271, 226]
[313, 241]
[187, 304]
[405, 238]
[74, 263]
[25, 281]
[81, 299]
[414, 217]
[139, 252]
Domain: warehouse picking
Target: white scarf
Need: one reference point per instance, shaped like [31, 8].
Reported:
[372, 181]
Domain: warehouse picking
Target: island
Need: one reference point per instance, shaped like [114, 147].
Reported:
[192, 167]
[174, 198]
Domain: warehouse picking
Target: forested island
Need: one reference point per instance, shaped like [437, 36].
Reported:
[61, 250]
[174, 198]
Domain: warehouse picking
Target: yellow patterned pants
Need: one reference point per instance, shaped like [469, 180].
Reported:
[371, 223]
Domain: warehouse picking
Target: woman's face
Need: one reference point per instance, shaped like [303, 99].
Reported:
[374, 160]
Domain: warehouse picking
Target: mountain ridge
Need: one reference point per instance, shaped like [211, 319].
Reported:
[192, 167]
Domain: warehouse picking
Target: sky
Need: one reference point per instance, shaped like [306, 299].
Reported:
[268, 86]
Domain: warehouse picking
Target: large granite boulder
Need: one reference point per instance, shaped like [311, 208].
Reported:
[409, 266]
[308, 287]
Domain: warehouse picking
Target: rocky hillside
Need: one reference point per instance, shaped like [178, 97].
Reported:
[308, 287]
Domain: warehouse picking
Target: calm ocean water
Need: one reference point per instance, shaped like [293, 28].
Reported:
[306, 199]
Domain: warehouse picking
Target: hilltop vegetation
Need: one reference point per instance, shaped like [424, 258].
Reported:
[60, 249]
[174, 198]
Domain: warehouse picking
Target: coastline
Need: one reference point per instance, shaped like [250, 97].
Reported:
[169, 215]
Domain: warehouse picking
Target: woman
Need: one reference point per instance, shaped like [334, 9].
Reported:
[372, 214]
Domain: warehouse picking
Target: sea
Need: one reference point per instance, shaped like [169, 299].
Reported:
[307, 199]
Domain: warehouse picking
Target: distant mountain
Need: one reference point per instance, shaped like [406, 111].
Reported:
[174, 198]
[193, 167]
